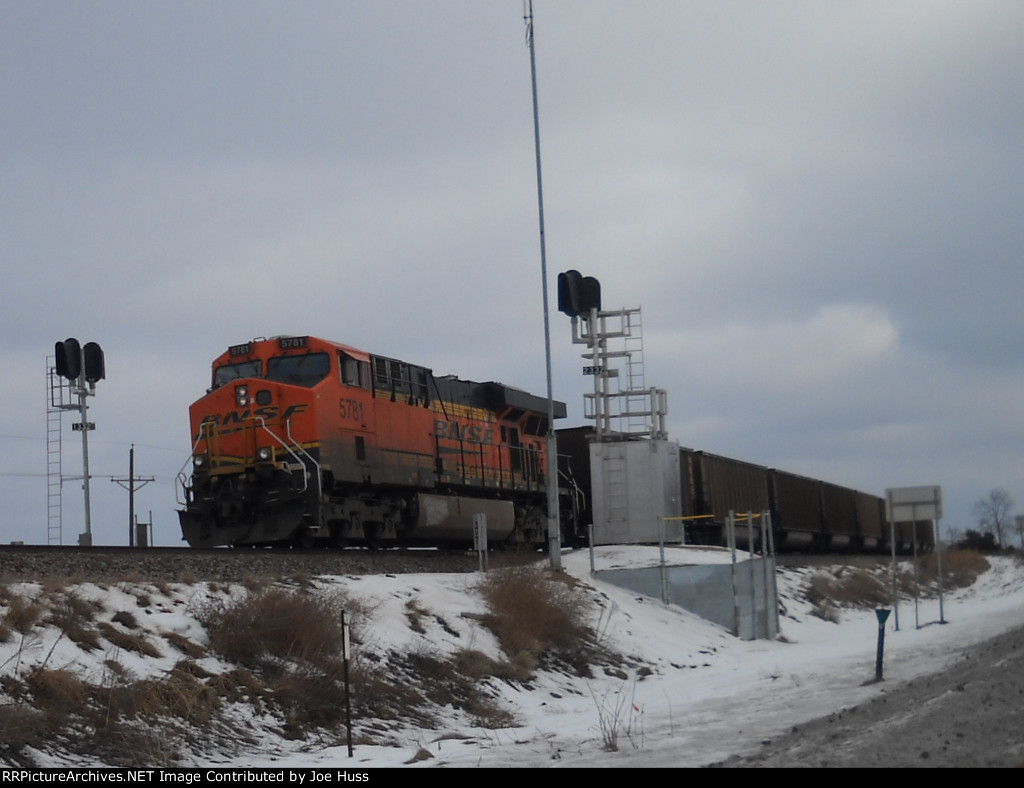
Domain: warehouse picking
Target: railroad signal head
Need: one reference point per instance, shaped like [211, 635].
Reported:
[94, 365]
[69, 358]
[578, 294]
[73, 359]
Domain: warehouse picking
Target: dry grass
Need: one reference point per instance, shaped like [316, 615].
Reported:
[73, 616]
[57, 690]
[533, 610]
[22, 727]
[292, 641]
[184, 645]
[960, 568]
[23, 614]
[271, 624]
[180, 694]
[128, 641]
[848, 588]
[870, 584]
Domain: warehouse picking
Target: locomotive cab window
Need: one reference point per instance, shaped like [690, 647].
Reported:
[353, 372]
[305, 370]
[229, 372]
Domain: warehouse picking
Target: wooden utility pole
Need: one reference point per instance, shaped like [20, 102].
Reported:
[132, 483]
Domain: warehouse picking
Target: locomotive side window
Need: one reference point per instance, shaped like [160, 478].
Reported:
[229, 372]
[388, 375]
[400, 379]
[515, 449]
[420, 384]
[305, 370]
[353, 372]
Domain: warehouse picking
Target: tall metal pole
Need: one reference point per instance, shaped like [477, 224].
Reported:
[85, 540]
[554, 530]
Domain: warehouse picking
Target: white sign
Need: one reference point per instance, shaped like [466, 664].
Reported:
[903, 504]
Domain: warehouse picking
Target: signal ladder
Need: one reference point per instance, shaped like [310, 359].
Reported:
[621, 405]
[57, 389]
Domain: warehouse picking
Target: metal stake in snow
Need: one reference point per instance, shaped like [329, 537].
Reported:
[348, 688]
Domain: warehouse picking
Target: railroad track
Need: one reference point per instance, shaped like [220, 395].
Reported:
[182, 564]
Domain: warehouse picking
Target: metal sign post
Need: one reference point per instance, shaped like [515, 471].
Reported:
[480, 539]
[910, 503]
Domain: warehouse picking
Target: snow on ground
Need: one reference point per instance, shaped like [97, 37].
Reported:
[708, 696]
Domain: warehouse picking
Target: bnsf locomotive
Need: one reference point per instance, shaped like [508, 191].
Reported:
[302, 441]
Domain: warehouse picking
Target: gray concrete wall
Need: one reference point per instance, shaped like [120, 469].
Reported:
[741, 597]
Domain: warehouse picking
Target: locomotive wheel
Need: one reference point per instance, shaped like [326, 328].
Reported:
[371, 533]
[302, 539]
[337, 537]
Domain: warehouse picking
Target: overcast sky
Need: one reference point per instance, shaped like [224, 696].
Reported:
[816, 205]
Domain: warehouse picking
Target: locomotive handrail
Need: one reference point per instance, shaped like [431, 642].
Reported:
[316, 465]
[291, 450]
[181, 477]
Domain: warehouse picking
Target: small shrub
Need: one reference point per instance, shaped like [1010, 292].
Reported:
[239, 685]
[22, 727]
[126, 619]
[618, 715]
[59, 691]
[128, 641]
[290, 644]
[414, 613]
[183, 644]
[475, 664]
[73, 615]
[23, 614]
[278, 624]
[532, 610]
[310, 696]
[179, 694]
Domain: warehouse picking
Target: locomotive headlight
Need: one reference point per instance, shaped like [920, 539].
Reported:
[199, 461]
[264, 454]
[241, 396]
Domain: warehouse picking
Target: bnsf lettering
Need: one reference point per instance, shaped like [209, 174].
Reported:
[470, 433]
[268, 413]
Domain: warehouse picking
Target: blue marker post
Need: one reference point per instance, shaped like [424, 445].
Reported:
[882, 615]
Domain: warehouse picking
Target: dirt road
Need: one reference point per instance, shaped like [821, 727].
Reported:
[971, 715]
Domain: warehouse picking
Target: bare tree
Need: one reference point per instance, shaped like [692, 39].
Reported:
[993, 513]
[953, 534]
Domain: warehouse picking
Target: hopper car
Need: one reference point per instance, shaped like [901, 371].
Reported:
[807, 514]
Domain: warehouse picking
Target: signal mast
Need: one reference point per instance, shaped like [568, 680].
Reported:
[82, 366]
